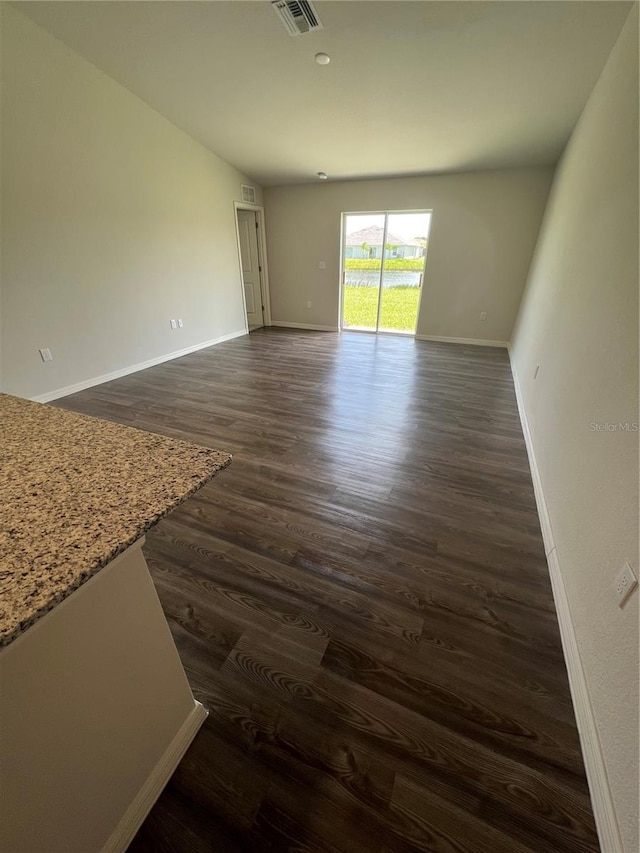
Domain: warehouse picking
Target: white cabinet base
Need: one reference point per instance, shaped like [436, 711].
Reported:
[95, 714]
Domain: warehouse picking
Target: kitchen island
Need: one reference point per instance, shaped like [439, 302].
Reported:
[95, 708]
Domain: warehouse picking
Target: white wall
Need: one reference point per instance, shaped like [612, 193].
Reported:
[483, 233]
[113, 222]
[579, 322]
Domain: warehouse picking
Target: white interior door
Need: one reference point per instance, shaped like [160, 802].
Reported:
[250, 260]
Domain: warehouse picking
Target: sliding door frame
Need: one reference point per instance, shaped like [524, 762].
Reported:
[343, 243]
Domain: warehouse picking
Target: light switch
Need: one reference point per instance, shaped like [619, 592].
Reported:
[322, 265]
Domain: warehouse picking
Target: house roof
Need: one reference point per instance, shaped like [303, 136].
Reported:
[373, 237]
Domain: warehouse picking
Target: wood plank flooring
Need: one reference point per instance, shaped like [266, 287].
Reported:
[361, 601]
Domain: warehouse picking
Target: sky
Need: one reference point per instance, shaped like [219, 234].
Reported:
[405, 225]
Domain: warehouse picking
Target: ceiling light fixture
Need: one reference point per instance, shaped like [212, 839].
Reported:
[322, 175]
[323, 59]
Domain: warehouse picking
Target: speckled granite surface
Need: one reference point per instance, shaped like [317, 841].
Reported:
[75, 492]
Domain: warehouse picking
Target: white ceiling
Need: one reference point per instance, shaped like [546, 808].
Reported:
[412, 88]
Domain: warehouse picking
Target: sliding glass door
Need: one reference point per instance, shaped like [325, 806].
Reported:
[383, 256]
[361, 271]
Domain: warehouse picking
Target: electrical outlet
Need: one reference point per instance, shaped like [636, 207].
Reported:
[625, 583]
[322, 265]
[309, 304]
[173, 324]
[45, 354]
[483, 315]
[180, 324]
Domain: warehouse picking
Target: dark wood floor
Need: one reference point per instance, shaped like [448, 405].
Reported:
[361, 601]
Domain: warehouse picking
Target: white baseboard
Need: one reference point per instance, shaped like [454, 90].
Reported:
[543, 512]
[286, 325]
[135, 815]
[601, 798]
[134, 368]
[474, 341]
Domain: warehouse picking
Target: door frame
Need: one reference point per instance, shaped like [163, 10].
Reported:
[343, 235]
[258, 209]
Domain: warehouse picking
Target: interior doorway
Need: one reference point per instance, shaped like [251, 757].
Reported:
[252, 256]
[383, 258]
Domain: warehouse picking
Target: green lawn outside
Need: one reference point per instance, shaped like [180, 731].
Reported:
[399, 308]
[413, 264]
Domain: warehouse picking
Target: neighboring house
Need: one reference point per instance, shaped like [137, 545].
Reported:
[367, 243]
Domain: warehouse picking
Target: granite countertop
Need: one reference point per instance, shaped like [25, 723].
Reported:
[76, 491]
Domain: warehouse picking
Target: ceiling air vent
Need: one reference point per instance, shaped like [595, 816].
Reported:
[248, 193]
[298, 16]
